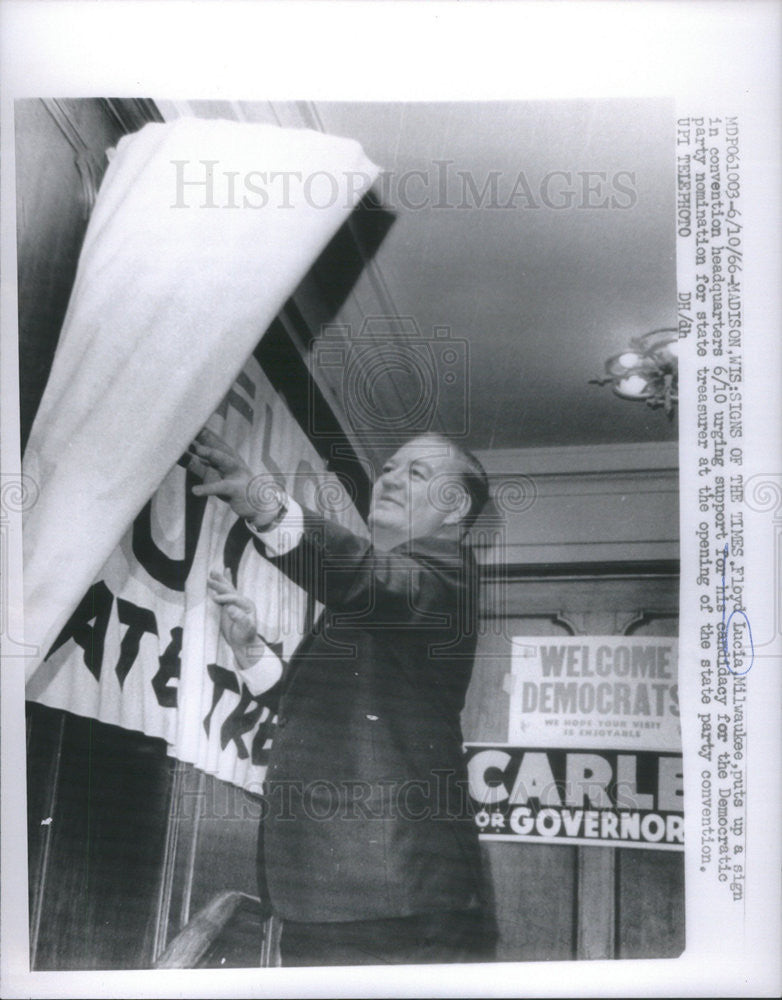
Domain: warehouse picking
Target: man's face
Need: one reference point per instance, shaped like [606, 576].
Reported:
[418, 491]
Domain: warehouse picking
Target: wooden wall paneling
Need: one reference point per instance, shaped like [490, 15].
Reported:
[589, 503]
[596, 865]
[216, 847]
[169, 867]
[650, 919]
[185, 814]
[225, 857]
[100, 883]
[580, 592]
[61, 158]
[45, 729]
[595, 913]
[532, 885]
[651, 622]
[534, 888]
[52, 214]
[132, 113]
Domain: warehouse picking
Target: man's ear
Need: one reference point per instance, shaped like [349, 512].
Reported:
[461, 506]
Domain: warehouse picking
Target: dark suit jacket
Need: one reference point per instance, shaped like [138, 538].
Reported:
[367, 809]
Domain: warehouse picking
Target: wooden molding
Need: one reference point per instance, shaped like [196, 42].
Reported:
[591, 459]
[132, 113]
[581, 504]
[595, 902]
[89, 164]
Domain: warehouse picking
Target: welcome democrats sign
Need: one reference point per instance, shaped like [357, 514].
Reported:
[594, 746]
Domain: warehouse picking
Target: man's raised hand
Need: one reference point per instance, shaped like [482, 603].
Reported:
[260, 668]
[238, 618]
[226, 475]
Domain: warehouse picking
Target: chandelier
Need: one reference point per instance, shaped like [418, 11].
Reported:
[647, 369]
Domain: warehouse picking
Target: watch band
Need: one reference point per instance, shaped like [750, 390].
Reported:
[283, 510]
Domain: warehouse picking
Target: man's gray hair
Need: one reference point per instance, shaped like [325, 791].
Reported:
[473, 475]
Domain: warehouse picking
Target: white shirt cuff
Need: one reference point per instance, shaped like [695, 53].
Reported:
[286, 534]
[263, 673]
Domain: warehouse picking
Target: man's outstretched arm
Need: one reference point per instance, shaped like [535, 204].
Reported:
[416, 584]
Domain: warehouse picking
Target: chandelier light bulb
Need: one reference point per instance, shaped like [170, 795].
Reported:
[673, 348]
[634, 387]
[647, 370]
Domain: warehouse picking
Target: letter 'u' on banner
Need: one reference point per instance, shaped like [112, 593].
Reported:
[142, 649]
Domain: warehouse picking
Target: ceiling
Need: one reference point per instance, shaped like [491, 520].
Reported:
[534, 295]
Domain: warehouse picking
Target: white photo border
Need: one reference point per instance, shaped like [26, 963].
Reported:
[722, 57]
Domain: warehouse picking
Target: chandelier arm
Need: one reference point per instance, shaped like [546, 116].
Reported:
[652, 374]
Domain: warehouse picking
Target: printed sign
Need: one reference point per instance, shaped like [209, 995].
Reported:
[560, 796]
[594, 746]
[594, 691]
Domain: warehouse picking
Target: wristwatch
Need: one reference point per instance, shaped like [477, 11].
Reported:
[281, 512]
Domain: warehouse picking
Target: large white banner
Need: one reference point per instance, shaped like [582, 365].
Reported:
[143, 648]
[179, 274]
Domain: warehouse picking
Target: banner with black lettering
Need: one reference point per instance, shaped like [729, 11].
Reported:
[143, 650]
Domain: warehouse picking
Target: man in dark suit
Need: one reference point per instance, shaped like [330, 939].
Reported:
[371, 855]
